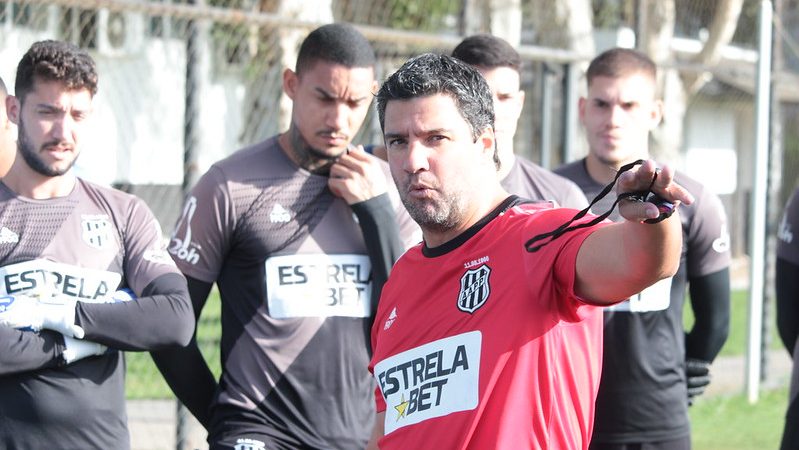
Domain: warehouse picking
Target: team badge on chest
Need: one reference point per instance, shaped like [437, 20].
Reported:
[475, 289]
[97, 231]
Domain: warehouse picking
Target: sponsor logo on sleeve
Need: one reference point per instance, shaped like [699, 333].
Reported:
[475, 289]
[157, 254]
[391, 318]
[318, 285]
[97, 231]
[44, 276]
[181, 246]
[784, 233]
[432, 380]
[722, 243]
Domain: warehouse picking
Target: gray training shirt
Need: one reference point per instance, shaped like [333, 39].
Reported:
[642, 394]
[87, 245]
[294, 276]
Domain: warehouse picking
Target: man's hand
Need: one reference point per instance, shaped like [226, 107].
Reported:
[29, 313]
[77, 349]
[357, 176]
[640, 179]
[697, 373]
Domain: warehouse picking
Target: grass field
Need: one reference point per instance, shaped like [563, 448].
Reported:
[723, 422]
[731, 423]
[143, 378]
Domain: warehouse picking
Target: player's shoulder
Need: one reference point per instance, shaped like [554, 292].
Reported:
[572, 171]
[523, 210]
[124, 206]
[690, 184]
[703, 196]
[254, 157]
[707, 206]
[538, 171]
[107, 194]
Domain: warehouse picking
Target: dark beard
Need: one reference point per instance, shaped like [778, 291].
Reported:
[308, 157]
[25, 148]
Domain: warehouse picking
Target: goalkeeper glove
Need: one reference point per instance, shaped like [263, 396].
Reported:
[697, 373]
[28, 313]
[77, 349]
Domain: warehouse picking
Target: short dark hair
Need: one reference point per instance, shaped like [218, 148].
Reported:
[338, 43]
[55, 61]
[619, 62]
[485, 50]
[430, 74]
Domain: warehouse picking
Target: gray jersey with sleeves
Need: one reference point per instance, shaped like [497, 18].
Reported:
[533, 182]
[294, 276]
[642, 394]
[84, 245]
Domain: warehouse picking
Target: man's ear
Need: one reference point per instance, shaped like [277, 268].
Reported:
[290, 82]
[581, 109]
[13, 109]
[488, 140]
[657, 113]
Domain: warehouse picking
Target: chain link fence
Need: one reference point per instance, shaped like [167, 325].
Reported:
[185, 83]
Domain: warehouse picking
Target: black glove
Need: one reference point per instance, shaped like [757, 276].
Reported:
[698, 377]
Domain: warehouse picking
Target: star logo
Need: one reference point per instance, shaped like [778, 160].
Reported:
[401, 408]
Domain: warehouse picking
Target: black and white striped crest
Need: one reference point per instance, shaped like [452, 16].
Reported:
[474, 289]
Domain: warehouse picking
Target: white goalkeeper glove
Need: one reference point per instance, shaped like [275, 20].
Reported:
[77, 349]
[28, 313]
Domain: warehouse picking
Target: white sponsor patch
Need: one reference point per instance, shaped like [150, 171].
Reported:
[97, 231]
[654, 298]
[432, 380]
[44, 277]
[318, 285]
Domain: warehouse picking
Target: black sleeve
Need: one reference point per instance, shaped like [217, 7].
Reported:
[790, 432]
[380, 230]
[710, 300]
[160, 318]
[22, 351]
[185, 369]
[787, 290]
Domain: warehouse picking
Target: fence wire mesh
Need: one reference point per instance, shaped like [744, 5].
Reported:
[185, 83]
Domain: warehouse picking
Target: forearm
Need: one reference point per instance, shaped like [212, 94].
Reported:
[160, 318]
[188, 375]
[710, 301]
[381, 234]
[621, 259]
[22, 351]
[185, 369]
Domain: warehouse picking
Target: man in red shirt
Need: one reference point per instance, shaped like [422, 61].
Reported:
[478, 342]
